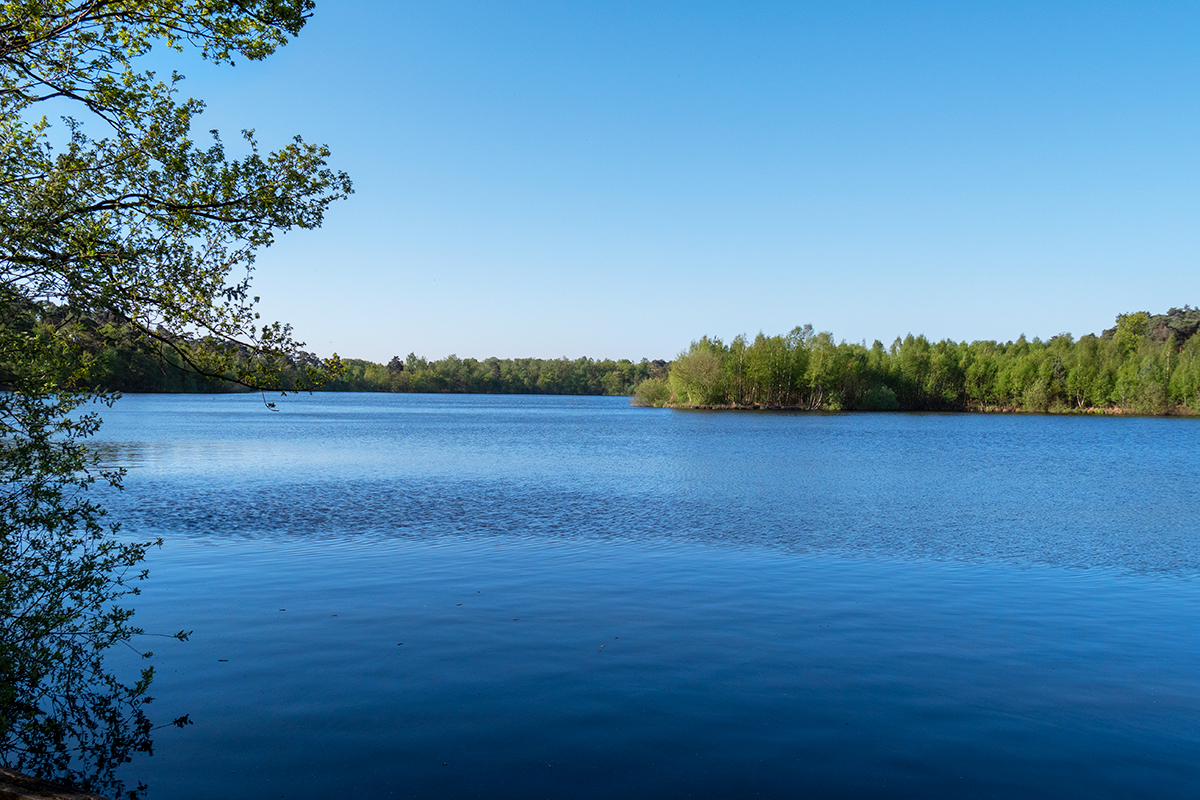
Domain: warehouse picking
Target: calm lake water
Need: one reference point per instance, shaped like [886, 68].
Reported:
[482, 596]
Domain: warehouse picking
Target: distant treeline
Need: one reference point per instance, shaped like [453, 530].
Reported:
[134, 369]
[121, 359]
[497, 375]
[1144, 365]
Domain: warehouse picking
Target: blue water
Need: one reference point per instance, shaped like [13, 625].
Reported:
[482, 596]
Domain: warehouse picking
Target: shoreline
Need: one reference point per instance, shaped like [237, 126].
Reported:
[1091, 411]
[19, 786]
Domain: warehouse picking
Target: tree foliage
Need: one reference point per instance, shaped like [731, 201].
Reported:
[581, 376]
[1144, 365]
[115, 223]
[129, 217]
[121, 358]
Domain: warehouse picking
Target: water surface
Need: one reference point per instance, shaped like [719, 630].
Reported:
[595, 600]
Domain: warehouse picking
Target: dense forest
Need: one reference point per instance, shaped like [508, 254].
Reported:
[120, 358]
[1144, 365]
[140, 369]
[498, 376]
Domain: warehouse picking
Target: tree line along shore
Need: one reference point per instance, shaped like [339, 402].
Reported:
[118, 357]
[129, 370]
[1145, 364]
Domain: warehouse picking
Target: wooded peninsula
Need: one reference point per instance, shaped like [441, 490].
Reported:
[1145, 364]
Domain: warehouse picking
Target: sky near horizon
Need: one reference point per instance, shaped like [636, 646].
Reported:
[615, 179]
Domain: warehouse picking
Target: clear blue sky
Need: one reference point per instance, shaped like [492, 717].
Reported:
[617, 179]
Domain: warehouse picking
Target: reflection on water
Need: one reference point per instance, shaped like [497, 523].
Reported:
[594, 599]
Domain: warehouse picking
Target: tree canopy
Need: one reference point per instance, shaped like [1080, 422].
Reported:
[1144, 364]
[128, 216]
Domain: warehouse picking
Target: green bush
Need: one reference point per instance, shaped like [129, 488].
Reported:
[654, 392]
[881, 398]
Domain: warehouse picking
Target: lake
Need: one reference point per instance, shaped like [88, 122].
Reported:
[511, 596]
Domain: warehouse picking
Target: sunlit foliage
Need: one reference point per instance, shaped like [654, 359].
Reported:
[1144, 365]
